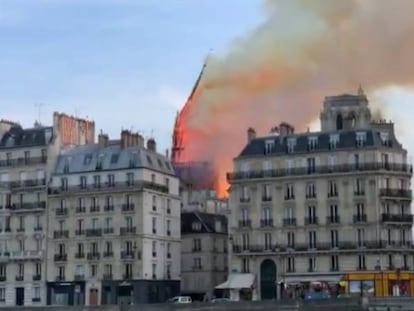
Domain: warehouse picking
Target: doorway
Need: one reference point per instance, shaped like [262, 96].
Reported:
[268, 279]
[93, 297]
[19, 296]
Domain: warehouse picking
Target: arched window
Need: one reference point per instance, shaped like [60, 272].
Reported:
[339, 122]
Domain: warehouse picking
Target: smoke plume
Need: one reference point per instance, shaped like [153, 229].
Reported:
[283, 69]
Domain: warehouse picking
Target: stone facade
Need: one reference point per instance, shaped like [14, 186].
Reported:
[315, 206]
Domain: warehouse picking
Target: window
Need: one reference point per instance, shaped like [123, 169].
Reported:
[196, 245]
[154, 225]
[310, 190]
[154, 203]
[63, 204]
[168, 227]
[26, 156]
[361, 137]
[268, 240]
[38, 222]
[154, 249]
[312, 143]
[290, 264]
[359, 186]
[291, 143]
[311, 215]
[154, 270]
[128, 271]
[290, 239]
[334, 263]
[36, 292]
[385, 160]
[266, 214]
[2, 294]
[111, 180]
[333, 141]
[3, 270]
[83, 182]
[312, 239]
[269, 146]
[20, 270]
[390, 262]
[244, 194]
[114, 158]
[361, 237]
[153, 179]
[311, 264]
[332, 189]
[130, 179]
[61, 272]
[245, 241]
[361, 262]
[79, 270]
[38, 268]
[168, 271]
[87, 159]
[331, 163]
[168, 203]
[385, 138]
[245, 265]
[289, 192]
[108, 247]
[334, 238]
[289, 166]
[94, 270]
[266, 193]
[196, 226]
[267, 166]
[168, 250]
[64, 183]
[108, 269]
[109, 202]
[128, 222]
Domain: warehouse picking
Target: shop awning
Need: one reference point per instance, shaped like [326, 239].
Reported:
[296, 279]
[237, 281]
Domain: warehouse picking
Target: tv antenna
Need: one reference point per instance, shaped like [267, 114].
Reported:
[39, 110]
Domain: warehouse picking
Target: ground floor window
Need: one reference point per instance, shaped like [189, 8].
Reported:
[2, 294]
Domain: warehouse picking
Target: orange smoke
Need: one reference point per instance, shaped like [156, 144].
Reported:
[282, 71]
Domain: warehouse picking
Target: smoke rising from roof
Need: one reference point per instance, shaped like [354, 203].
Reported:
[283, 69]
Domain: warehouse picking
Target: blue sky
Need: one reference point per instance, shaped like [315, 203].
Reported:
[123, 63]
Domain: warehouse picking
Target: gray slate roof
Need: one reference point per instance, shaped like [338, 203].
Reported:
[347, 140]
[17, 137]
[85, 159]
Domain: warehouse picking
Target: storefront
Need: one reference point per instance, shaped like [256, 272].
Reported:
[66, 293]
[379, 284]
[239, 287]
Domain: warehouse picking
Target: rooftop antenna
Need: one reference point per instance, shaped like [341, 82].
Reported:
[39, 108]
[360, 90]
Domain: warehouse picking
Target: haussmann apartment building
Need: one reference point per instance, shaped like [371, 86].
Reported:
[331, 207]
[114, 225]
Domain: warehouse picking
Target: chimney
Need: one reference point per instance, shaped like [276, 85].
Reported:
[124, 139]
[152, 145]
[103, 140]
[286, 129]
[251, 134]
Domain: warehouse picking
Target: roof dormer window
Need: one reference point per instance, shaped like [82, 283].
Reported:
[333, 141]
[196, 226]
[66, 166]
[87, 159]
[291, 143]
[269, 146]
[385, 138]
[312, 143]
[361, 138]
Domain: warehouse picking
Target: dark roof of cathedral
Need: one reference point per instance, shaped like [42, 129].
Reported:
[347, 140]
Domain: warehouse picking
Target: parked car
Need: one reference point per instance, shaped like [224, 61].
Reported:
[181, 299]
[220, 300]
[316, 296]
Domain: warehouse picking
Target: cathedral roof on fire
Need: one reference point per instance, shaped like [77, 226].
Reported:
[90, 158]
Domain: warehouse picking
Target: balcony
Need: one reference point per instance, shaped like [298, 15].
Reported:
[318, 247]
[321, 170]
[290, 197]
[127, 230]
[333, 219]
[61, 234]
[108, 254]
[359, 193]
[397, 218]
[396, 193]
[245, 223]
[26, 207]
[37, 278]
[127, 276]
[61, 257]
[23, 161]
[3, 278]
[80, 209]
[311, 221]
[79, 255]
[60, 278]
[244, 200]
[108, 230]
[62, 212]
[360, 218]
[79, 277]
[289, 222]
[38, 228]
[80, 232]
[93, 232]
[25, 184]
[127, 255]
[108, 208]
[94, 209]
[266, 223]
[109, 188]
[128, 207]
[266, 199]
[26, 255]
[93, 256]
[19, 278]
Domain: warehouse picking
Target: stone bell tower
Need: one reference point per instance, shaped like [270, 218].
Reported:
[345, 112]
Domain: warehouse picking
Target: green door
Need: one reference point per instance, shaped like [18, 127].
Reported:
[268, 279]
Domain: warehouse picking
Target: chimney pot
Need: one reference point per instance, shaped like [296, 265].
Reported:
[152, 145]
[251, 134]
